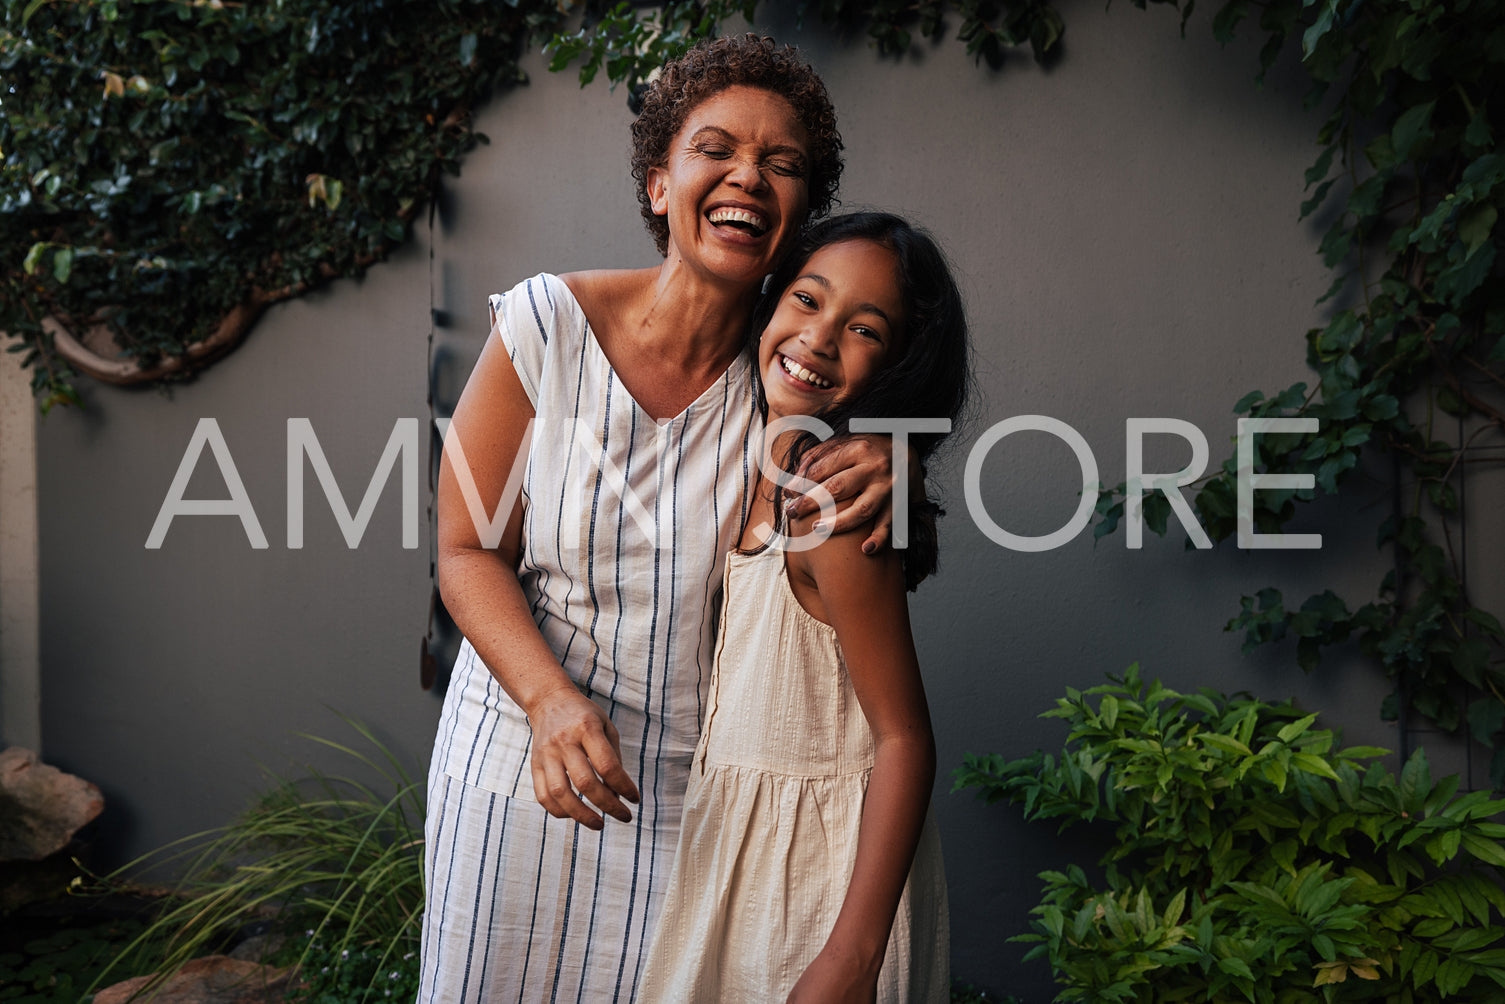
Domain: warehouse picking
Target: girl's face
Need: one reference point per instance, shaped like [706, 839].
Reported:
[735, 185]
[836, 325]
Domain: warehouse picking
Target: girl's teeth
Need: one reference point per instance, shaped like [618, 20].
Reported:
[794, 369]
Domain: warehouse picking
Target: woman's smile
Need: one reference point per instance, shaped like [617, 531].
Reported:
[735, 185]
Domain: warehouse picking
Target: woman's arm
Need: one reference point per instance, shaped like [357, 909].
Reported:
[573, 740]
[863, 599]
[859, 472]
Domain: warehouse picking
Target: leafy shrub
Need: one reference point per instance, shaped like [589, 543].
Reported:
[1252, 860]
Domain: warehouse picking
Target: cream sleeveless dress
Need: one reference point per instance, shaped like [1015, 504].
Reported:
[769, 832]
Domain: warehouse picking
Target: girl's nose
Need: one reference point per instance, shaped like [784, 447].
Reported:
[820, 338]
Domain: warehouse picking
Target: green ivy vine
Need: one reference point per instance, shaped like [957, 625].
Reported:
[1410, 367]
[171, 167]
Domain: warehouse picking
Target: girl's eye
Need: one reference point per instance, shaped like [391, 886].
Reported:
[868, 333]
[804, 298]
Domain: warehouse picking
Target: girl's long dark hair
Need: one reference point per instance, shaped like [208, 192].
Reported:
[930, 380]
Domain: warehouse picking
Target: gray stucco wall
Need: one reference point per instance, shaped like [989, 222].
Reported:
[1125, 231]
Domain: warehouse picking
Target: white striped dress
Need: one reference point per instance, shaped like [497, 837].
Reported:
[626, 526]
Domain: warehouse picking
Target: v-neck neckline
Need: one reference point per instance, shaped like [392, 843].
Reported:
[733, 371]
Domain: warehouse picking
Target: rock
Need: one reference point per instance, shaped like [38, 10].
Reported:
[214, 979]
[258, 947]
[40, 806]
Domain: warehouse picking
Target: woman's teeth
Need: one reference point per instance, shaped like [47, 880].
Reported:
[742, 218]
[799, 372]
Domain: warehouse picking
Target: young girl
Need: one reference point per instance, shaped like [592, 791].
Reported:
[807, 867]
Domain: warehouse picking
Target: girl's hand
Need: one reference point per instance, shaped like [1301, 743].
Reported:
[859, 471]
[830, 980]
[576, 747]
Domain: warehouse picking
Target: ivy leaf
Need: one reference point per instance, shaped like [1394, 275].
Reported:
[34, 257]
[1478, 135]
[1486, 620]
[1381, 153]
[1474, 229]
[1248, 401]
[1320, 27]
[1323, 164]
[62, 265]
[1318, 196]
[1486, 716]
[1458, 281]
[1227, 19]
[1413, 128]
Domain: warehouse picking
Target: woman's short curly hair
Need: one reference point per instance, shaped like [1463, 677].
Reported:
[711, 67]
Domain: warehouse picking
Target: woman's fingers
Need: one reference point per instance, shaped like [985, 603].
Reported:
[605, 752]
[552, 788]
[857, 472]
[585, 781]
[577, 751]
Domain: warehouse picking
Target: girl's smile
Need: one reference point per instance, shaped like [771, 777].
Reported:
[837, 324]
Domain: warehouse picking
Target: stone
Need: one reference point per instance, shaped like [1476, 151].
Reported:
[214, 979]
[258, 947]
[41, 808]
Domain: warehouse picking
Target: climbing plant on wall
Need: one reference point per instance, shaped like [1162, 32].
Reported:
[171, 167]
[1410, 366]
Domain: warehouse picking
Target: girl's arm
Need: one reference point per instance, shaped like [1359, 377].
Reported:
[573, 739]
[863, 598]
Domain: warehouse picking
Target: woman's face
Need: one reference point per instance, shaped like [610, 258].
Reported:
[837, 324]
[734, 185]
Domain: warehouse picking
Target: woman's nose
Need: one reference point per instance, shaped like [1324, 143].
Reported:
[747, 175]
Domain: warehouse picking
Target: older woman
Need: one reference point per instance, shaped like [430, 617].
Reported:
[589, 627]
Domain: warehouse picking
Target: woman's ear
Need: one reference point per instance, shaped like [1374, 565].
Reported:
[658, 190]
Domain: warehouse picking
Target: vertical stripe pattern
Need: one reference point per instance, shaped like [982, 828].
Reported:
[626, 523]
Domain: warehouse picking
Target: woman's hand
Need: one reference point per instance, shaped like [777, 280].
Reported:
[576, 748]
[832, 980]
[859, 471]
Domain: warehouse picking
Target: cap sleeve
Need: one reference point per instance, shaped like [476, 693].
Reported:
[526, 318]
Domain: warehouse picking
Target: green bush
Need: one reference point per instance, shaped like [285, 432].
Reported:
[1253, 860]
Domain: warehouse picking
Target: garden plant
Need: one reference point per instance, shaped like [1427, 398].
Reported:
[1250, 858]
[335, 864]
